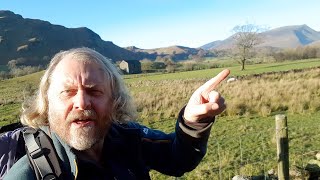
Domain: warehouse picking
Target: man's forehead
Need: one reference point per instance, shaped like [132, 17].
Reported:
[72, 71]
[79, 60]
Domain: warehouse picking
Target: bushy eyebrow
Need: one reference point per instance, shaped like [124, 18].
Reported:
[93, 86]
[88, 86]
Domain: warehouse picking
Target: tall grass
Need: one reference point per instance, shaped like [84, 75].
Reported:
[291, 92]
[243, 138]
[266, 95]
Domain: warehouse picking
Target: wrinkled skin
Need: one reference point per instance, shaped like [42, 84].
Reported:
[79, 100]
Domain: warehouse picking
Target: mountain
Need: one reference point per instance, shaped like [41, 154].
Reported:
[212, 44]
[176, 52]
[34, 42]
[290, 36]
[315, 44]
[282, 37]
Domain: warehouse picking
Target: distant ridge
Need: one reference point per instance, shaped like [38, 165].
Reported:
[177, 52]
[282, 37]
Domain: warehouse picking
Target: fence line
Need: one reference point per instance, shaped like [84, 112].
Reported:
[244, 151]
[250, 150]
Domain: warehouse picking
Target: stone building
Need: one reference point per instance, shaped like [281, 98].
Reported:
[130, 66]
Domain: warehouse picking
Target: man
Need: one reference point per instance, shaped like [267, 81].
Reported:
[83, 105]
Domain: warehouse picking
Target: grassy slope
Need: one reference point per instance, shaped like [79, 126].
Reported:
[12, 92]
[13, 88]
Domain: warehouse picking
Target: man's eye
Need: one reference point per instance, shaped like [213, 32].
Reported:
[96, 92]
[67, 92]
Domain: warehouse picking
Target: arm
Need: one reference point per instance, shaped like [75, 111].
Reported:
[180, 152]
[175, 153]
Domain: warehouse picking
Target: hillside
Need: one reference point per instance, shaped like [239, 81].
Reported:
[282, 37]
[176, 52]
[290, 36]
[33, 41]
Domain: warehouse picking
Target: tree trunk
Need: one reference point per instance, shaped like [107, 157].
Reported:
[242, 64]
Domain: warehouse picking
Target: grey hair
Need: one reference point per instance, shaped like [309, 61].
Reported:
[35, 111]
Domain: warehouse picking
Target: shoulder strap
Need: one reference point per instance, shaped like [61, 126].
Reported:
[42, 155]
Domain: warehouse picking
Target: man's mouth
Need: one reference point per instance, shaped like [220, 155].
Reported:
[83, 122]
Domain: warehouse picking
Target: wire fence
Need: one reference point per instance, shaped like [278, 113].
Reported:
[249, 150]
[254, 152]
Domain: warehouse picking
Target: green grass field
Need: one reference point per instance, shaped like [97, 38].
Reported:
[235, 71]
[242, 141]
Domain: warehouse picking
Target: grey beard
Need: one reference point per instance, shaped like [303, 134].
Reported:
[80, 139]
[83, 138]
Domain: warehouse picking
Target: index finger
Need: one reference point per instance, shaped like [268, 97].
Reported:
[214, 82]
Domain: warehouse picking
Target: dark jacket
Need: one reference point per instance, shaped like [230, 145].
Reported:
[11, 149]
[130, 151]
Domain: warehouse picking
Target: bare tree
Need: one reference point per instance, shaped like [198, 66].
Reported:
[246, 38]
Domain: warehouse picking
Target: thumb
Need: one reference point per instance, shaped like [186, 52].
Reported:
[199, 111]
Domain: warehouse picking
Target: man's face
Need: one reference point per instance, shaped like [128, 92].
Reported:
[79, 103]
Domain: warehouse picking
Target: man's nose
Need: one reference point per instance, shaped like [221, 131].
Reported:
[81, 100]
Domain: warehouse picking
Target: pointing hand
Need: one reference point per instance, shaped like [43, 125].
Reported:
[205, 102]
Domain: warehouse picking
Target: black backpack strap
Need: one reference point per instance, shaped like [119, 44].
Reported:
[42, 155]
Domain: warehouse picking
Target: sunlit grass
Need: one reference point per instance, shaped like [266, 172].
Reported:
[293, 92]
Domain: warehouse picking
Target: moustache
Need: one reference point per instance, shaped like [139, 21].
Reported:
[82, 115]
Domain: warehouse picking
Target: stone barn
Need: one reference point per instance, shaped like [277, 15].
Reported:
[130, 66]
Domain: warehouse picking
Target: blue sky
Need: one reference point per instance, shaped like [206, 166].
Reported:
[161, 23]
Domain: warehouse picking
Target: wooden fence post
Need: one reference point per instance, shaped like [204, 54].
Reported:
[282, 147]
